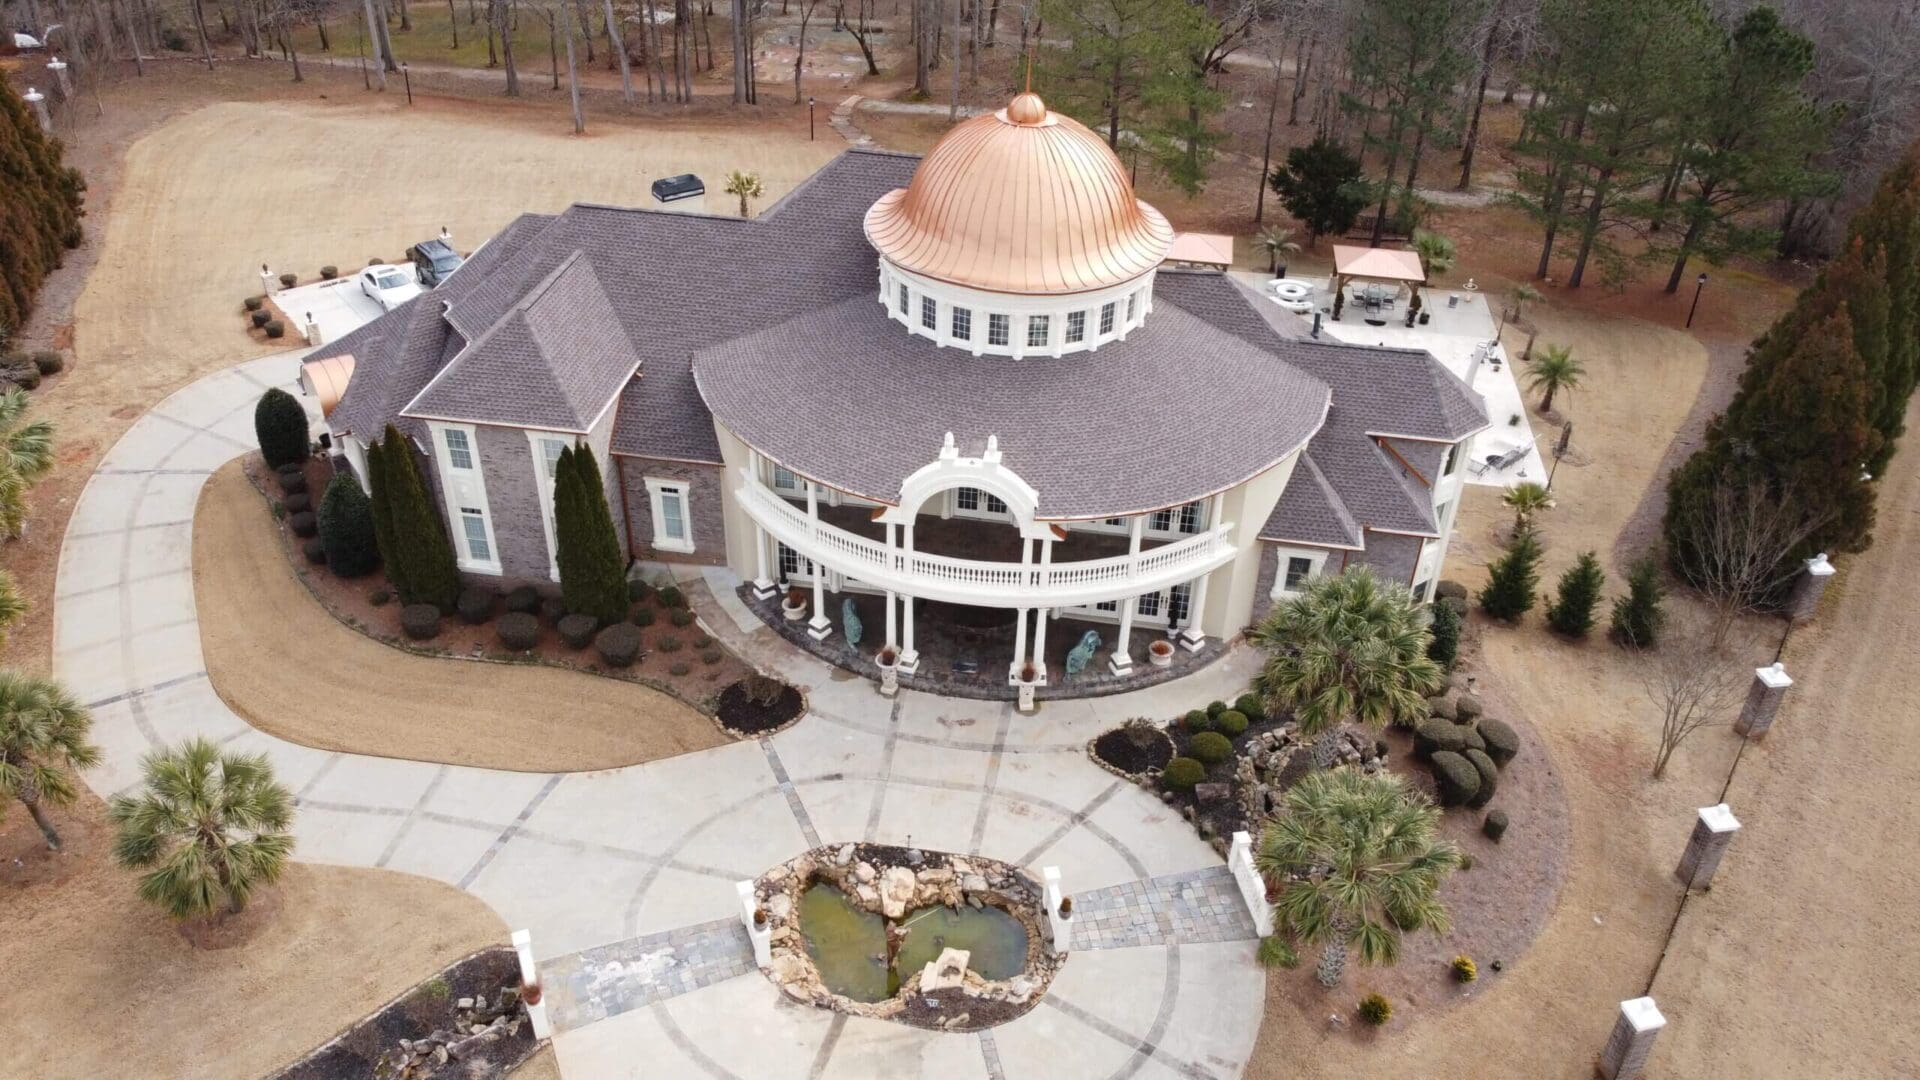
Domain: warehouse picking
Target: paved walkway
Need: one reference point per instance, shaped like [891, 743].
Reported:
[625, 877]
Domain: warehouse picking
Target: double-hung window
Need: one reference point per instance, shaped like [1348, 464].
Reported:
[1106, 318]
[975, 500]
[784, 480]
[1133, 300]
[903, 299]
[473, 526]
[1189, 518]
[672, 518]
[997, 329]
[1299, 571]
[929, 313]
[1039, 327]
[1076, 327]
[962, 324]
[459, 449]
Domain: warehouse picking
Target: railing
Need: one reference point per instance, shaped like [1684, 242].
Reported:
[975, 581]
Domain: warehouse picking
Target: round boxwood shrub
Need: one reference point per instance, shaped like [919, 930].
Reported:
[1455, 778]
[1248, 705]
[315, 550]
[1503, 743]
[275, 328]
[1495, 826]
[618, 645]
[712, 656]
[1442, 707]
[292, 480]
[1468, 708]
[260, 318]
[642, 616]
[280, 427]
[420, 621]
[380, 597]
[346, 527]
[702, 641]
[1232, 723]
[1489, 777]
[667, 643]
[524, 600]
[1215, 708]
[1376, 1009]
[1436, 735]
[48, 362]
[474, 605]
[1471, 739]
[1210, 747]
[1197, 721]
[328, 273]
[577, 630]
[23, 375]
[671, 596]
[1182, 773]
[639, 589]
[254, 303]
[303, 523]
[553, 609]
[679, 670]
[298, 501]
[518, 630]
[288, 281]
[681, 617]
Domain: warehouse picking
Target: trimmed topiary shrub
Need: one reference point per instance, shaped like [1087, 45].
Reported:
[1232, 723]
[1455, 778]
[380, 597]
[1210, 747]
[1436, 735]
[671, 596]
[292, 480]
[680, 617]
[618, 645]
[303, 523]
[1495, 826]
[1467, 709]
[1248, 705]
[48, 362]
[420, 621]
[315, 550]
[524, 600]
[275, 328]
[475, 606]
[553, 609]
[639, 589]
[577, 630]
[288, 281]
[702, 641]
[1442, 707]
[254, 303]
[680, 669]
[24, 375]
[642, 616]
[1489, 776]
[346, 527]
[1375, 1009]
[299, 501]
[280, 427]
[1215, 708]
[1637, 616]
[1444, 649]
[259, 318]
[328, 273]
[667, 643]
[1470, 739]
[712, 656]
[1182, 773]
[518, 630]
[1197, 721]
[1503, 743]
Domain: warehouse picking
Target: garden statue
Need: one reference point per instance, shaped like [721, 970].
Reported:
[850, 623]
[1082, 654]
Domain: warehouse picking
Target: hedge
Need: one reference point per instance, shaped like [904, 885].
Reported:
[1437, 735]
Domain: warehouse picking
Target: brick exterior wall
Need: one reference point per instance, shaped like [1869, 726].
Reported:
[1392, 556]
[1263, 583]
[705, 509]
[513, 500]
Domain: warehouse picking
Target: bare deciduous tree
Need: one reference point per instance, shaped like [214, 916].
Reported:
[1694, 685]
[1744, 534]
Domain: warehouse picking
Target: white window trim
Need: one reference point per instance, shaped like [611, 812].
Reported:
[1281, 556]
[536, 447]
[656, 489]
[465, 487]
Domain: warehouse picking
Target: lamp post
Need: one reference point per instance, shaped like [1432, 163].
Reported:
[809, 119]
[407, 77]
[1699, 284]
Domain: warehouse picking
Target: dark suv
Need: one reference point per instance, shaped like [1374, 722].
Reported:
[433, 260]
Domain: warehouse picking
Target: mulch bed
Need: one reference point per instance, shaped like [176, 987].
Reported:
[680, 668]
[739, 713]
[1134, 749]
[428, 1007]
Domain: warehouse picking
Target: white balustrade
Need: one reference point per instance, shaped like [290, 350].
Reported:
[975, 581]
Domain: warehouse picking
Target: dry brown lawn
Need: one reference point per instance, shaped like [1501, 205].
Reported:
[102, 985]
[290, 668]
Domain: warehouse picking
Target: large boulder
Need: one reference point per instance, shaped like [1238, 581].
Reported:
[897, 886]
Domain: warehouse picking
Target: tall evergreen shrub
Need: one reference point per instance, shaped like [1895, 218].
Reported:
[280, 427]
[346, 528]
[1571, 611]
[428, 573]
[39, 207]
[1511, 579]
[593, 579]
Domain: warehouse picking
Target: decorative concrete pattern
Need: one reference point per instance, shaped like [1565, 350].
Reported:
[1178, 909]
[636, 866]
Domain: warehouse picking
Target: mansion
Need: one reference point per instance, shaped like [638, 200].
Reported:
[966, 386]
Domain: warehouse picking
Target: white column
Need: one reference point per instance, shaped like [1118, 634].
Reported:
[1040, 643]
[1632, 1040]
[909, 658]
[1190, 635]
[893, 623]
[530, 984]
[1712, 833]
[1763, 700]
[819, 627]
[1121, 661]
[1019, 644]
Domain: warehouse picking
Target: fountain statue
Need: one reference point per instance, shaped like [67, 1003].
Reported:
[1082, 654]
[850, 623]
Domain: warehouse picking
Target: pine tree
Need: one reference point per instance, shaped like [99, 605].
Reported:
[1637, 616]
[1887, 230]
[420, 558]
[1320, 185]
[1444, 649]
[346, 528]
[1571, 612]
[40, 211]
[1512, 577]
[593, 578]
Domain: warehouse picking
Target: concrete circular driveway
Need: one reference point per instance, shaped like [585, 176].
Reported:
[626, 877]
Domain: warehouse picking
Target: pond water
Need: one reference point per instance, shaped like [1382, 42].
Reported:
[849, 945]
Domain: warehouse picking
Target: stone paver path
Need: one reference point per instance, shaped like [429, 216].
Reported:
[626, 877]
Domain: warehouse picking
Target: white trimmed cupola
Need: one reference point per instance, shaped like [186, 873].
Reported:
[1019, 236]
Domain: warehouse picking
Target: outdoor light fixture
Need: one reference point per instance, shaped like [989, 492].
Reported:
[1699, 284]
[809, 119]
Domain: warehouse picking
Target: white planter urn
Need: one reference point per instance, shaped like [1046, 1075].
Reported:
[1160, 653]
[1026, 681]
[793, 610]
[888, 662]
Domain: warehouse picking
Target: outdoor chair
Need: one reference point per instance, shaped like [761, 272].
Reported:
[1501, 462]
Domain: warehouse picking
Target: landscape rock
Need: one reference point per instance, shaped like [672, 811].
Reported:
[897, 889]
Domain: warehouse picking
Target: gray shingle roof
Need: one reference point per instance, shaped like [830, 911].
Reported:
[553, 361]
[1309, 512]
[1175, 412]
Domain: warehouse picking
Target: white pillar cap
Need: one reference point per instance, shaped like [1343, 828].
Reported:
[56, 64]
[1720, 819]
[33, 95]
[1774, 676]
[521, 937]
[1818, 566]
[1643, 1014]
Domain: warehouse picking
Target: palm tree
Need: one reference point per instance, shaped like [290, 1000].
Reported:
[1554, 371]
[1524, 294]
[1526, 499]
[1347, 648]
[744, 184]
[43, 741]
[1437, 253]
[1358, 862]
[26, 455]
[12, 605]
[1276, 242]
[210, 828]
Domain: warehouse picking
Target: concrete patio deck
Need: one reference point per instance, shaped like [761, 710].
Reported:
[625, 877]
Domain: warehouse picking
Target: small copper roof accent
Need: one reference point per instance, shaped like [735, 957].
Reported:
[327, 380]
[1202, 249]
[1023, 200]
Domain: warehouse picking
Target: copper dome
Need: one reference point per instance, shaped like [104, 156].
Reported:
[1020, 201]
